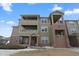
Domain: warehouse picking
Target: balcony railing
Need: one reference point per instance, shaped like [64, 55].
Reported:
[29, 22]
[28, 32]
[59, 26]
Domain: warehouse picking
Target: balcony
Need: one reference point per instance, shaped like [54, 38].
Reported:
[59, 26]
[28, 32]
[29, 22]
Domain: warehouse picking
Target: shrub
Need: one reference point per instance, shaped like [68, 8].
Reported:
[12, 47]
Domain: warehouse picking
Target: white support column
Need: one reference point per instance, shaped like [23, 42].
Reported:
[29, 41]
[37, 41]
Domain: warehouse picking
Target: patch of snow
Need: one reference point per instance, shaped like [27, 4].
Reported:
[48, 47]
[4, 52]
[75, 49]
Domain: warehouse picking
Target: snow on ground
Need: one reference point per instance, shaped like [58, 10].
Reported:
[8, 52]
[74, 49]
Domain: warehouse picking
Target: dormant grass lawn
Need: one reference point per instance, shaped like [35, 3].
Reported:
[47, 52]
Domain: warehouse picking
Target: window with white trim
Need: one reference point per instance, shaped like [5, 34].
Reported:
[44, 20]
[45, 40]
[44, 29]
[72, 30]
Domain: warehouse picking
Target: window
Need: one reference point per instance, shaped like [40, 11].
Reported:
[44, 20]
[24, 40]
[59, 32]
[73, 30]
[71, 22]
[44, 40]
[72, 27]
[44, 29]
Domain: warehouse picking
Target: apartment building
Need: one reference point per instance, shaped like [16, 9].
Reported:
[4, 40]
[34, 30]
[73, 32]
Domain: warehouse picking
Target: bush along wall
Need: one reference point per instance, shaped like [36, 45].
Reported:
[12, 47]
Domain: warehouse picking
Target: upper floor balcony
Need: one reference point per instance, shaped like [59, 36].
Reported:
[28, 32]
[59, 26]
[29, 20]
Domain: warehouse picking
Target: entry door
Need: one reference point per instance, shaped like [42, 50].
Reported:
[33, 41]
[60, 40]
